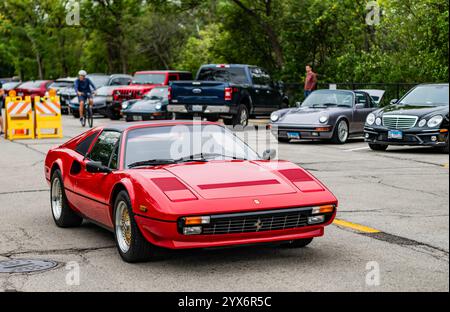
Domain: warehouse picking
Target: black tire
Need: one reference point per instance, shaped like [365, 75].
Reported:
[113, 115]
[378, 147]
[337, 138]
[299, 243]
[68, 217]
[283, 140]
[239, 119]
[228, 121]
[139, 248]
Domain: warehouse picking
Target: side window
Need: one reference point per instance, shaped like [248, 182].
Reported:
[83, 147]
[257, 76]
[114, 162]
[267, 81]
[173, 77]
[104, 147]
[125, 81]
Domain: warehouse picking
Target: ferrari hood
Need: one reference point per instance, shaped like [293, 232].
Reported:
[228, 179]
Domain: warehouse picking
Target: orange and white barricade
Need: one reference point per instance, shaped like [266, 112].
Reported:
[48, 117]
[19, 118]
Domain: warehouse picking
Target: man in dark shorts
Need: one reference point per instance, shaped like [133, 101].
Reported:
[83, 89]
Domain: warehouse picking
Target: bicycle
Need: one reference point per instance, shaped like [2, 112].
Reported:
[90, 115]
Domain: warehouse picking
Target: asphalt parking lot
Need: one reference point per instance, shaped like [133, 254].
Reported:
[393, 215]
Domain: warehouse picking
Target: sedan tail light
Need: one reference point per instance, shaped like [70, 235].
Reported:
[169, 93]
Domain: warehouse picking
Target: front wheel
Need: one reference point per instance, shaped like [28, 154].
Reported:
[341, 132]
[62, 214]
[132, 246]
[378, 147]
[241, 118]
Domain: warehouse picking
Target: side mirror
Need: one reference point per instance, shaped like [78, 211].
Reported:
[394, 101]
[269, 154]
[360, 106]
[96, 167]
[298, 104]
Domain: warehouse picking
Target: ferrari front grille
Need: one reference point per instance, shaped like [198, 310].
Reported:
[399, 122]
[258, 221]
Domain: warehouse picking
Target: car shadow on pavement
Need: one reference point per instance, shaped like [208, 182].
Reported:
[323, 142]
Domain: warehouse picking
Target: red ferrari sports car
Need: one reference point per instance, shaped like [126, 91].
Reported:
[183, 184]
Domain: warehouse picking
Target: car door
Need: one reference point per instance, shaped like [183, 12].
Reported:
[94, 188]
[363, 107]
[257, 90]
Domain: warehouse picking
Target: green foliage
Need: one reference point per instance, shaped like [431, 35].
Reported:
[410, 44]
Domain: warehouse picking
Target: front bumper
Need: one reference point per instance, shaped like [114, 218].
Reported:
[167, 234]
[412, 137]
[130, 116]
[201, 109]
[305, 131]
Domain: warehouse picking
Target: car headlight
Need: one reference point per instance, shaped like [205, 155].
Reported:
[370, 119]
[109, 98]
[323, 119]
[158, 106]
[124, 105]
[422, 123]
[274, 117]
[435, 121]
[378, 121]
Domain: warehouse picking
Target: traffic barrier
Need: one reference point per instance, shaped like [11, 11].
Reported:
[19, 118]
[48, 117]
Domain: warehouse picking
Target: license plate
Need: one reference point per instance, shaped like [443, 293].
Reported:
[137, 118]
[293, 135]
[197, 108]
[395, 134]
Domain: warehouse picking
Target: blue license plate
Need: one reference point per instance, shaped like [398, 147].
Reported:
[395, 134]
[293, 135]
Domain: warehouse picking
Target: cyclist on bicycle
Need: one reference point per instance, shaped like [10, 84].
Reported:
[83, 89]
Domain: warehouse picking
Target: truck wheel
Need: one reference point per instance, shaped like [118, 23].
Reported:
[113, 115]
[378, 147]
[241, 118]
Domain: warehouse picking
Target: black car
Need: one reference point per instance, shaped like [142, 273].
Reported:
[419, 118]
[152, 106]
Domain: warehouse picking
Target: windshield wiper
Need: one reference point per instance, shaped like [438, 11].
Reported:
[205, 156]
[152, 162]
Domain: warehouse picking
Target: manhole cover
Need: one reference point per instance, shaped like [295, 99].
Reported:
[26, 265]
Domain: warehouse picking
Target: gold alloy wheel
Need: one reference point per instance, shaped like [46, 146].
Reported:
[123, 227]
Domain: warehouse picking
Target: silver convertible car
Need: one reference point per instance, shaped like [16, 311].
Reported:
[332, 115]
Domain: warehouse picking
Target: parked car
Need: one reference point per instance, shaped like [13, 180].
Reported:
[60, 85]
[332, 115]
[232, 92]
[376, 95]
[143, 82]
[33, 88]
[420, 118]
[152, 106]
[6, 87]
[99, 80]
[129, 179]
[102, 98]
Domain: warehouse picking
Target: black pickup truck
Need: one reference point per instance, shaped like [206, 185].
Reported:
[232, 92]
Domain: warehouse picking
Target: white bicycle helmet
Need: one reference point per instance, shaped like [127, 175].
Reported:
[82, 73]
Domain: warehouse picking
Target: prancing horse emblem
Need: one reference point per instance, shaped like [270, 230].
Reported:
[258, 225]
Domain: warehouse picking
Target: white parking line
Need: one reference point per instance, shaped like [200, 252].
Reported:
[357, 149]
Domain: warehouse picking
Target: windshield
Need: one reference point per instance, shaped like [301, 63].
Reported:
[61, 84]
[99, 81]
[183, 141]
[234, 75]
[149, 79]
[157, 93]
[10, 85]
[427, 96]
[325, 98]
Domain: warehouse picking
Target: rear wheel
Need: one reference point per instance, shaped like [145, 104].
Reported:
[132, 246]
[378, 147]
[298, 243]
[241, 118]
[113, 115]
[62, 214]
[341, 132]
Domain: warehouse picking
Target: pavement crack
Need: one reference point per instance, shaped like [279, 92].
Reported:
[24, 191]
[29, 147]
[56, 251]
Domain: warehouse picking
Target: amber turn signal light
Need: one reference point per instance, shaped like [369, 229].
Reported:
[196, 220]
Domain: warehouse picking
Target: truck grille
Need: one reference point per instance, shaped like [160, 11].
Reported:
[258, 221]
[399, 122]
[124, 95]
